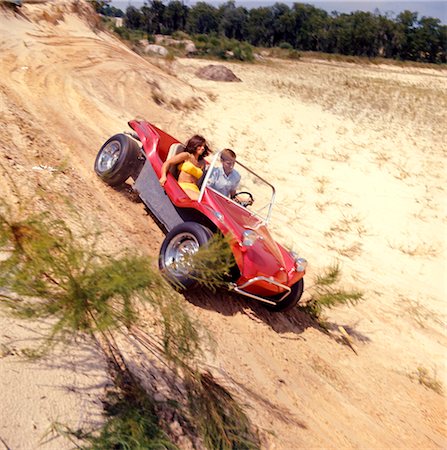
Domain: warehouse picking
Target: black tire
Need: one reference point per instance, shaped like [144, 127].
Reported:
[117, 159]
[184, 239]
[291, 300]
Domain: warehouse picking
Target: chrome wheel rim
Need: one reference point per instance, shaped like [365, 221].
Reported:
[179, 252]
[109, 156]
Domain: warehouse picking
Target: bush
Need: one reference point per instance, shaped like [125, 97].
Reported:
[285, 46]
[122, 32]
[223, 48]
[222, 421]
[63, 276]
[201, 38]
[243, 51]
[48, 271]
[326, 294]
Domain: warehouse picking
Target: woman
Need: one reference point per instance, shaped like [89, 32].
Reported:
[190, 164]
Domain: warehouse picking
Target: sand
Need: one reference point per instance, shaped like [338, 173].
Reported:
[357, 154]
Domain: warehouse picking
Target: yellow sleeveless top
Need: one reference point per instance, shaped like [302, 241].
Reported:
[190, 168]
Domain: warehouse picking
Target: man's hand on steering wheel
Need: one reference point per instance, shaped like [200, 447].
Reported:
[244, 198]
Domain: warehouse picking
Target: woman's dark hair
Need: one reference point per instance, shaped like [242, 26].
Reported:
[197, 141]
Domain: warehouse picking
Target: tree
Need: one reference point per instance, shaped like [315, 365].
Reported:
[233, 21]
[428, 43]
[260, 27]
[386, 36]
[111, 11]
[133, 18]
[158, 8]
[99, 4]
[175, 16]
[283, 24]
[202, 19]
[443, 43]
[310, 26]
[406, 24]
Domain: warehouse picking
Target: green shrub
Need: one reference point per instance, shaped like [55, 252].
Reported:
[243, 51]
[201, 38]
[63, 276]
[326, 294]
[214, 41]
[48, 271]
[131, 421]
[122, 32]
[222, 422]
[285, 46]
[223, 48]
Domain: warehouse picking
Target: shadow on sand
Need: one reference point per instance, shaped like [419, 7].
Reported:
[293, 321]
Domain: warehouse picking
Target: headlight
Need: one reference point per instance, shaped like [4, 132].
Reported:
[300, 263]
[249, 238]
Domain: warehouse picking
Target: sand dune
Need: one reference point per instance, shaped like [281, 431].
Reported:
[358, 158]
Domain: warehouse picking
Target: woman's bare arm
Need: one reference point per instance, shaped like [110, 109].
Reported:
[177, 159]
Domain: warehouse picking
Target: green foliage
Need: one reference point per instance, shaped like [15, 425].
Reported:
[201, 38]
[48, 271]
[326, 294]
[133, 18]
[131, 422]
[303, 27]
[133, 36]
[202, 18]
[222, 422]
[122, 32]
[213, 262]
[98, 5]
[223, 48]
[63, 276]
[285, 46]
[243, 51]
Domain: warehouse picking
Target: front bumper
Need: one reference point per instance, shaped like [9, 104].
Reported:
[242, 289]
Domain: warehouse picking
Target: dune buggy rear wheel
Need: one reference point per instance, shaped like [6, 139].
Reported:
[179, 245]
[291, 300]
[117, 159]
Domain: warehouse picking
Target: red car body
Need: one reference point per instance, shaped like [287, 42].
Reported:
[267, 271]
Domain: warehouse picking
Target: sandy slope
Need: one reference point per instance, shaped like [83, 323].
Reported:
[358, 157]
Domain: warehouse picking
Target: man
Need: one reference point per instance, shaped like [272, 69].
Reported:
[225, 179]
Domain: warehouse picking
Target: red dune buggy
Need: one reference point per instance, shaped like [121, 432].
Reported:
[265, 270]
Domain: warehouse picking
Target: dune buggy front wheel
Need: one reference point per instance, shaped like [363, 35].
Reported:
[177, 251]
[291, 300]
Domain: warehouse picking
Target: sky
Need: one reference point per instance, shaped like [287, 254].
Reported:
[437, 9]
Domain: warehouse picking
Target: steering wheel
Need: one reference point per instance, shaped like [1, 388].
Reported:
[246, 200]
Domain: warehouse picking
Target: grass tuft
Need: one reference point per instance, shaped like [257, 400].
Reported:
[422, 375]
[325, 293]
[131, 421]
[218, 415]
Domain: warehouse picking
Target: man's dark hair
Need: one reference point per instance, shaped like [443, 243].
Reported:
[228, 152]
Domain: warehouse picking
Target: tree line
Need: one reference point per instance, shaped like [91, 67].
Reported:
[300, 26]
